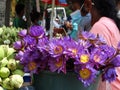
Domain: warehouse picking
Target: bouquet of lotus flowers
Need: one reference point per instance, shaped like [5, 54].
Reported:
[87, 57]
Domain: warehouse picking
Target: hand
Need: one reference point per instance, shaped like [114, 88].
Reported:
[68, 25]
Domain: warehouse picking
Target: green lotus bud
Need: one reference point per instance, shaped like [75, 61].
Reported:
[10, 51]
[11, 64]
[19, 66]
[2, 53]
[5, 48]
[1, 88]
[4, 72]
[3, 62]
[18, 72]
[0, 81]
[16, 81]
[1, 31]
[6, 84]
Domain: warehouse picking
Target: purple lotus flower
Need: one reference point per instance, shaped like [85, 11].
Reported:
[83, 58]
[42, 44]
[19, 55]
[86, 74]
[58, 64]
[87, 35]
[28, 40]
[110, 51]
[116, 61]
[109, 75]
[31, 60]
[56, 47]
[37, 31]
[98, 56]
[22, 33]
[85, 44]
[18, 45]
[73, 48]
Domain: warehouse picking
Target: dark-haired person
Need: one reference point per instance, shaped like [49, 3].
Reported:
[81, 17]
[19, 22]
[36, 18]
[106, 24]
[85, 22]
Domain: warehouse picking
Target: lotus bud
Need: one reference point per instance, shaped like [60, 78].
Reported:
[6, 84]
[16, 81]
[11, 64]
[3, 62]
[18, 72]
[23, 33]
[1, 31]
[2, 53]
[5, 47]
[19, 55]
[0, 81]
[18, 45]
[36, 31]
[1, 88]
[19, 66]
[4, 72]
[10, 51]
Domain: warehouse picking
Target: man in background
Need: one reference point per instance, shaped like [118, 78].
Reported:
[19, 22]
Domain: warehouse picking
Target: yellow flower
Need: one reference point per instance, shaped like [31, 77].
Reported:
[58, 49]
[32, 66]
[85, 73]
[84, 58]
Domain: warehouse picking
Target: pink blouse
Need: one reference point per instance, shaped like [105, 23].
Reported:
[107, 28]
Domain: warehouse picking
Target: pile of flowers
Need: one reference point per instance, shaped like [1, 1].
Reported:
[11, 71]
[8, 35]
[87, 57]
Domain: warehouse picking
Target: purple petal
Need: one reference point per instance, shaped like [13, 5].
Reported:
[22, 33]
[37, 31]
[18, 45]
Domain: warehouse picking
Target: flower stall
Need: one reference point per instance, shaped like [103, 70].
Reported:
[11, 71]
[65, 64]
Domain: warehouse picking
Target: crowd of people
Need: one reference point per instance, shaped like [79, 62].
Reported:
[101, 17]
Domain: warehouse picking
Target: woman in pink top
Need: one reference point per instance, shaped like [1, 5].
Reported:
[106, 24]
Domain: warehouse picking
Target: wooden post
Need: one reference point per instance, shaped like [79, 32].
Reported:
[52, 17]
[2, 12]
[38, 5]
[7, 12]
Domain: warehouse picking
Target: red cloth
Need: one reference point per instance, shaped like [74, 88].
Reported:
[56, 2]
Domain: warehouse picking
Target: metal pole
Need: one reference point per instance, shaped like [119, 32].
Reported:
[52, 17]
[43, 24]
[38, 5]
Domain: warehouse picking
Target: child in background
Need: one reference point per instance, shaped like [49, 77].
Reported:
[36, 18]
[19, 22]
